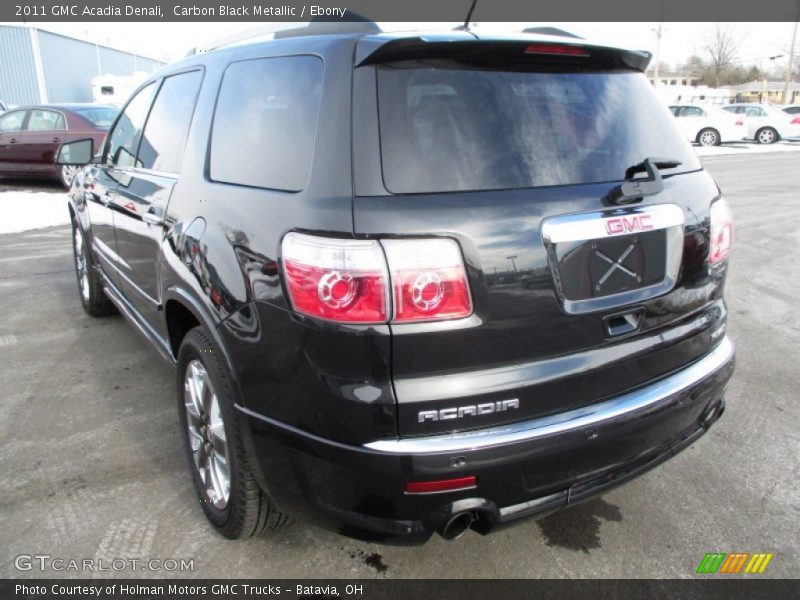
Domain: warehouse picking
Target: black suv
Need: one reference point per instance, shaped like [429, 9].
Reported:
[412, 282]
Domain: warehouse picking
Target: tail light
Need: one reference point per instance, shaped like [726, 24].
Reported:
[739, 122]
[336, 280]
[353, 280]
[721, 232]
[428, 280]
[796, 121]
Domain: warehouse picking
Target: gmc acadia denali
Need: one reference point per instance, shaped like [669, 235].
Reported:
[411, 283]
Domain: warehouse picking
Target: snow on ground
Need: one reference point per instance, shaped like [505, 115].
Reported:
[21, 210]
[743, 148]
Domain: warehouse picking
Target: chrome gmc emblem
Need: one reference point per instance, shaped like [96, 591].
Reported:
[628, 224]
[470, 410]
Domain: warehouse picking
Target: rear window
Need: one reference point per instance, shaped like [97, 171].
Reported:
[265, 122]
[101, 117]
[444, 129]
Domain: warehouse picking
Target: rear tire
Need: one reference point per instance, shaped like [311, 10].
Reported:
[709, 137]
[90, 285]
[221, 468]
[767, 135]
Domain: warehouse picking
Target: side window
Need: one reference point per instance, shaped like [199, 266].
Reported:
[675, 110]
[124, 138]
[692, 111]
[164, 136]
[12, 121]
[755, 111]
[265, 122]
[46, 120]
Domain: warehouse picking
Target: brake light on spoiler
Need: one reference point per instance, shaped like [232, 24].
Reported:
[557, 49]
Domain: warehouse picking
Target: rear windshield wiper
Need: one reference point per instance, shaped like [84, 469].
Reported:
[634, 190]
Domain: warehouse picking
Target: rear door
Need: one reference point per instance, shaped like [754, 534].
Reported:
[140, 204]
[45, 131]
[12, 151]
[119, 154]
[574, 299]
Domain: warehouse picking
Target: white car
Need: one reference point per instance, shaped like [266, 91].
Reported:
[766, 124]
[708, 125]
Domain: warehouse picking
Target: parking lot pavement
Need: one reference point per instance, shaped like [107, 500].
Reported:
[91, 464]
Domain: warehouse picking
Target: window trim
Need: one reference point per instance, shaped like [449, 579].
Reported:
[207, 168]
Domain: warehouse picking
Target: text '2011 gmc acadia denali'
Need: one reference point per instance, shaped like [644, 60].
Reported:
[412, 283]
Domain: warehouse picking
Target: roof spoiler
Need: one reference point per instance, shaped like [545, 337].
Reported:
[512, 51]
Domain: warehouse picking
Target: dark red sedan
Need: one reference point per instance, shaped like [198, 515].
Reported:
[31, 135]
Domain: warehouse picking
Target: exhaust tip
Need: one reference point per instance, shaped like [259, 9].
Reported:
[457, 525]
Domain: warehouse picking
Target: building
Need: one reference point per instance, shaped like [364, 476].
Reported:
[38, 66]
[700, 94]
[766, 91]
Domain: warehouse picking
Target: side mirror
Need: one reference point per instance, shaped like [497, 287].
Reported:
[77, 153]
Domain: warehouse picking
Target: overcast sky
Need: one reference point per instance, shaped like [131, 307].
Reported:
[172, 41]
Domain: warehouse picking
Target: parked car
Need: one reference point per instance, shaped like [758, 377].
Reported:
[792, 109]
[766, 124]
[707, 125]
[31, 135]
[313, 231]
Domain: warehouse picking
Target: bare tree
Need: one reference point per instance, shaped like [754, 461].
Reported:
[721, 46]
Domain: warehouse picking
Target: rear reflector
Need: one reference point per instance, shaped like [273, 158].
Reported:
[556, 49]
[441, 485]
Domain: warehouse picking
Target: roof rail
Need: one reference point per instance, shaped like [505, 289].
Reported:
[350, 23]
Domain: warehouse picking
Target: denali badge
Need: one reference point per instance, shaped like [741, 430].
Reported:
[472, 410]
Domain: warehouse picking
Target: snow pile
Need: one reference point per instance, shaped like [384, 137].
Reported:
[743, 148]
[21, 211]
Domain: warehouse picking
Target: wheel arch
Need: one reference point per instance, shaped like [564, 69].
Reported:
[182, 312]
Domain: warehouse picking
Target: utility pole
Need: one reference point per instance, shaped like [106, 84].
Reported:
[513, 264]
[657, 58]
[791, 59]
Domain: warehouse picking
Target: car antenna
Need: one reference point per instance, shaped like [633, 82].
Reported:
[465, 26]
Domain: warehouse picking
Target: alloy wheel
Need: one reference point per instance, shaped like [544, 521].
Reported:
[80, 263]
[708, 138]
[207, 434]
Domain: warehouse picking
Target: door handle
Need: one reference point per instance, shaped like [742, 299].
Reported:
[12, 141]
[56, 140]
[152, 218]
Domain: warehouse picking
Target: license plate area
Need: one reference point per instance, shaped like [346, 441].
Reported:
[605, 259]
